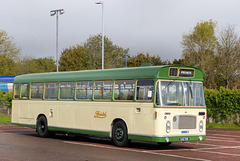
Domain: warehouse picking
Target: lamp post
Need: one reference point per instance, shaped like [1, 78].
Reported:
[126, 56]
[53, 13]
[101, 2]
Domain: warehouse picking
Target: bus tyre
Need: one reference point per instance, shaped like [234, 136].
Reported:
[42, 128]
[119, 134]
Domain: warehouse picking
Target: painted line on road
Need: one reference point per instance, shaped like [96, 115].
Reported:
[222, 140]
[226, 135]
[212, 137]
[236, 155]
[198, 143]
[139, 151]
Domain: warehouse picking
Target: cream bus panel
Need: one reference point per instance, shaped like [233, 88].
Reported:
[95, 116]
[167, 114]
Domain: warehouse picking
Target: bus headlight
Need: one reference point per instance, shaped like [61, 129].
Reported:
[201, 126]
[168, 126]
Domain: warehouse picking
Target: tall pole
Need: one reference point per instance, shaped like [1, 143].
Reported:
[57, 40]
[52, 13]
[102, 37]
[101, 2]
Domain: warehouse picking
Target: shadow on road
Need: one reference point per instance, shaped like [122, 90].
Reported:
[102, 141]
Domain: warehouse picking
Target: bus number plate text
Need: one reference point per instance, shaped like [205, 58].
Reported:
[184, 139]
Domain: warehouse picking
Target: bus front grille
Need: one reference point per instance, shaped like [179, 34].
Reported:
[184, 122]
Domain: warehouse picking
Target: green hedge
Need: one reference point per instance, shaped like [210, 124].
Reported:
[223, 105]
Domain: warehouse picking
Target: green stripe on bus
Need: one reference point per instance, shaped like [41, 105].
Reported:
[162, 139]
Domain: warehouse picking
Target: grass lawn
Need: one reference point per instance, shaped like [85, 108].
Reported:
[223, 126]
[4, 118]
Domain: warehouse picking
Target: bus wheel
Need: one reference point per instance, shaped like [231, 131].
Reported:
[42, 128]
[119, 134]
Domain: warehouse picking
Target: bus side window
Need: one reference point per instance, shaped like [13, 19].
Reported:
[84, 90]
[51, 90]
[67, 90]
[24, 91]
[145, 90]
[124, 90]
[16, 91]
[36, 90]
[103, 90]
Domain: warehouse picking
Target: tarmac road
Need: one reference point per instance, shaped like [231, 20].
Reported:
[17, 143]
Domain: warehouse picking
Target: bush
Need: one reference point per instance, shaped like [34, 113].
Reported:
[223, 105]
[9, 99]
[1, 98]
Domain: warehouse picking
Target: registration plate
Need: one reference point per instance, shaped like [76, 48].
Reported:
[184, 139]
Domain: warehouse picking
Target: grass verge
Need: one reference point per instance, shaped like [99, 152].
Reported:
[4, 118]
[223, 126]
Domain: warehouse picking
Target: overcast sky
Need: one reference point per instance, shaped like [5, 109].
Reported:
[153, 26]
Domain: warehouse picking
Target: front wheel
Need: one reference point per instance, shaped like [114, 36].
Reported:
[42, 128]
[119, 134]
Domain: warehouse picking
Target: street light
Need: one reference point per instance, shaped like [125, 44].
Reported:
[126, 56]
[101, 2]
[53, 13]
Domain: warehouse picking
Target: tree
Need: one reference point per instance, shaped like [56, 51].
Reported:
[136, 61]
[228, 56]
[9, 54]
[199, 49]
[46, 64]
[113, 54]
[74, 58]
[29, 64]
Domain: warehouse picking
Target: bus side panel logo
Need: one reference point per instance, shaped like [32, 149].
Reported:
[100, 115]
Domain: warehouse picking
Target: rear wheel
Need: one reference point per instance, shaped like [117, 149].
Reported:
[119, 134]
[42, 128]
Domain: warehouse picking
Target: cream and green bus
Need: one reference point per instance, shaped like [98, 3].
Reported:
[162, 104]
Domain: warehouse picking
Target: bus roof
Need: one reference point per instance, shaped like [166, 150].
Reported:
[7, 79]
[150, 72]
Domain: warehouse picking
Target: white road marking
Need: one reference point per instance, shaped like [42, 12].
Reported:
[222, 140]
[138, 151]
[236, 155]
[226, 135]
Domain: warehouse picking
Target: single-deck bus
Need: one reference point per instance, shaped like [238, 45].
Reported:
[160, 104]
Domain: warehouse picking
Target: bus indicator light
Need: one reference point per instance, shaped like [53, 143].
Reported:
[156, 115]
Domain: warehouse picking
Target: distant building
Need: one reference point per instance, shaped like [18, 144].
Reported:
[6, 83]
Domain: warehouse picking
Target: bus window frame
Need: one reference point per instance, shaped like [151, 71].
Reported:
[152, 92]
[15, 91]
[60, 91]
[173, 105]
[172, 68]
[93, 85]
[103, 100]
[57, 93]
[20, 96]
[134, 96]
[31, 91]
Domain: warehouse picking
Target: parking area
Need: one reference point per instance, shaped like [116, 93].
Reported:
[220, 145]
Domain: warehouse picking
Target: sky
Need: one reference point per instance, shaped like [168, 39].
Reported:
[149, 26]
